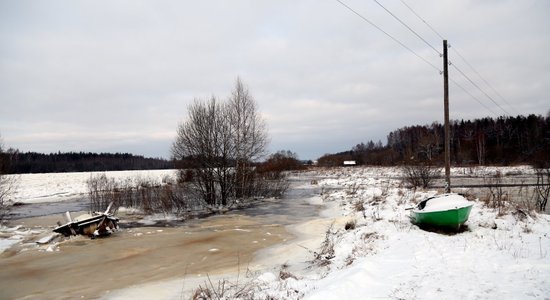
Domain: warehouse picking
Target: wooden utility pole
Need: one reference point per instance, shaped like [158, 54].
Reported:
[446, 108]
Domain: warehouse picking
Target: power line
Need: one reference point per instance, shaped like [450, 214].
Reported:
[483, 79]
[477, 86]
[420, 57]
[408, 27]
[389, 35]
[429, 26]
[475, 98]
[467, 63]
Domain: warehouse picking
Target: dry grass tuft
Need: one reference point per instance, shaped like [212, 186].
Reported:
[326, 251]
[284, 275]
[358, 206]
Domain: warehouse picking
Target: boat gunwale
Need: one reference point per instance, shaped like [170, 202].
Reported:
[422, 211]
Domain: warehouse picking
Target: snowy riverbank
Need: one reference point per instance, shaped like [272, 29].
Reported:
[363, 246]
[384, 256]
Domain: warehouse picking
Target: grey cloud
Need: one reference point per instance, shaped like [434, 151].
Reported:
[115, 75]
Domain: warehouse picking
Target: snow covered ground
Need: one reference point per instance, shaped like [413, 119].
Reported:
[404, 262]
[57, 187]
[53, 187]
[363, 246]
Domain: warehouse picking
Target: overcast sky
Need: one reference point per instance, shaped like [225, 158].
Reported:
[117, 76]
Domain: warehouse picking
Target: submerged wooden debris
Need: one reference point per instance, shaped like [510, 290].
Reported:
[92, 225]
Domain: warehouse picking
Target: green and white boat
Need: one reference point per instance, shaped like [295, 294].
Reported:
[446, 211]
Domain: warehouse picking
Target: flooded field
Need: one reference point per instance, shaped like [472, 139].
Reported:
[138, 254]
[82, 268]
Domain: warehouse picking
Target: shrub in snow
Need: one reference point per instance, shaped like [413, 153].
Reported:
[146, 194]
[543, 185]
[326, 251]
[350, 225]
[420, 175]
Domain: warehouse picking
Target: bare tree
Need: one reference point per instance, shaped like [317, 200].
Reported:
[249, 136]
[7, 182]
[429, 146]
[419, 174]
[543, 185]
[223, 139]
[498, 195]
[481, 148]
[206, 138]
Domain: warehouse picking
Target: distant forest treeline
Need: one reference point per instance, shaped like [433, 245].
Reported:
[487, 141]
[32, 162]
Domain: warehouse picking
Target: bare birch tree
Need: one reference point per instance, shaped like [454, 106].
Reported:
[249, 136]
[205, 137]
[223, 139]
[481, 148]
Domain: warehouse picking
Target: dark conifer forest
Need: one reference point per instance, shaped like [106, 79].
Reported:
[487, 141]
[32, 162]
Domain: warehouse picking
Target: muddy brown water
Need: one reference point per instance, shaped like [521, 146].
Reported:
[82, 268]
[85, 268]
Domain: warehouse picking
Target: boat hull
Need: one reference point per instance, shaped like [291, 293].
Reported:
[450, 219]
[97, 225]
